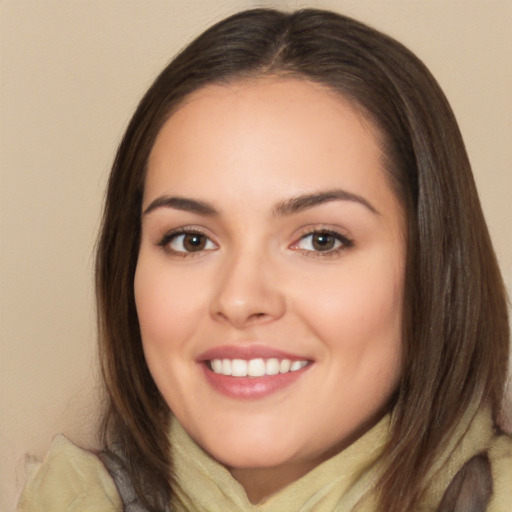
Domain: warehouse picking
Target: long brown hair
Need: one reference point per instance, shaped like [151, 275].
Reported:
[455, 332]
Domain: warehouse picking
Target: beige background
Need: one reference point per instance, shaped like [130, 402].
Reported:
[71, 74]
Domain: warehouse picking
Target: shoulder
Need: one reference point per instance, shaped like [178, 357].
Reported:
[70, 479]
[500, 457]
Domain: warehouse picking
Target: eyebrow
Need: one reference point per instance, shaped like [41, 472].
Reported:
[303, 202]
[181, 203]
[284, 208]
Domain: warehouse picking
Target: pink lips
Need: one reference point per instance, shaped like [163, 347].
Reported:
[248, 388]
[245, 352]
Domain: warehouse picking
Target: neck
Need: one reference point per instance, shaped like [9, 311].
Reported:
[261, 483]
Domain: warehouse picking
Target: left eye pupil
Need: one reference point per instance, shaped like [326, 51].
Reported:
[194, 243]
[323, 241]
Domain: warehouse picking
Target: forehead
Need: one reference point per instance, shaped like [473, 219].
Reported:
[260, 99]
[295, 133]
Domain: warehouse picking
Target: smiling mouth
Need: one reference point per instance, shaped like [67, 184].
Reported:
[252, 371]
[258, 367]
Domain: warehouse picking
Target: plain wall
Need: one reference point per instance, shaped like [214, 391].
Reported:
[71, 75]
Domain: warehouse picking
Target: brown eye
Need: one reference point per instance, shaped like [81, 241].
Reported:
[193, 242]
[323, 241]
[326, 242]
[190, 242]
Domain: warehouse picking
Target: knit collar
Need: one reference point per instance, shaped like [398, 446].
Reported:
[204, 485]
[342, 483]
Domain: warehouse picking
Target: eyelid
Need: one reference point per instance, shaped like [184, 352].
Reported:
[346, 242]
[170, 235]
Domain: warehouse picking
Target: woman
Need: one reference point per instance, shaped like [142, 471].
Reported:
[293, 261]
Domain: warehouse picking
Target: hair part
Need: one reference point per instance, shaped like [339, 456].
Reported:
[455, 331]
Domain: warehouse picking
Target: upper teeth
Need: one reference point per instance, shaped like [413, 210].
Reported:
[255, 367]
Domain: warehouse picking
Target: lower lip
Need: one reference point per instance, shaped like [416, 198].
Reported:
[251, 388]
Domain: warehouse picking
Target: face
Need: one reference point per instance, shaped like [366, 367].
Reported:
[270, 275]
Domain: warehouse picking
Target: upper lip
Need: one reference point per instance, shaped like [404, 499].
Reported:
[247, 352]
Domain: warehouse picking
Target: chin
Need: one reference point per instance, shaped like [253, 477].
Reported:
[252, 453]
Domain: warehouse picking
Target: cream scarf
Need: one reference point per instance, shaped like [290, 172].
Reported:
[343, 483]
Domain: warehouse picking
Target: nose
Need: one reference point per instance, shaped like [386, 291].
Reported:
[247, 293]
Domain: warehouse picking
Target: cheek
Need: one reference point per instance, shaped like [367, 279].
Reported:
[366, 341]
[368, 302]
[357, 315]
[169, 310]
[168, 305]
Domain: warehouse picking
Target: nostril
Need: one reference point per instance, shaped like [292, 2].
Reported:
[258, 315]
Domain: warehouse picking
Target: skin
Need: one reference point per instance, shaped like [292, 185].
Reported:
[244, 148]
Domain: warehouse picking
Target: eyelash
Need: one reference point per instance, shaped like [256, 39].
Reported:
[344, 243]
[168, 238]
